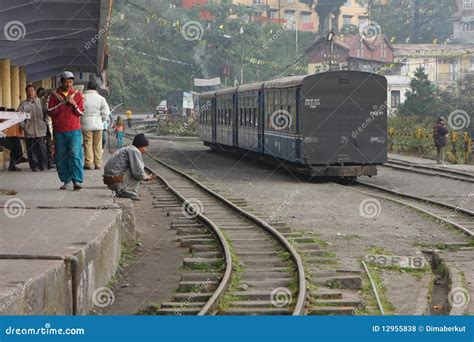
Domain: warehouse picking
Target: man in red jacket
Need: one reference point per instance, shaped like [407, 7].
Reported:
[65, 107]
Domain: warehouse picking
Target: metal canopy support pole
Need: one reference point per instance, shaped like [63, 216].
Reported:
[22, 83]
[15, 86]
[6, 83]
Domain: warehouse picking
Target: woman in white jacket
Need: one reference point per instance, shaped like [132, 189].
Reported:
[96, 112]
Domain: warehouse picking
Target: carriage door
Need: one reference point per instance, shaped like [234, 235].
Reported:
[235, 121]
[261, 120]
[214, 119]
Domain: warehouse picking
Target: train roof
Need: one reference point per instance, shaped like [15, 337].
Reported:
[282, 82]
[251, 86]
[226, 91]
[285, 82]
[208, 94]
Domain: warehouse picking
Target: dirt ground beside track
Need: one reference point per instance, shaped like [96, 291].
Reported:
[328, 210]
[153, 273]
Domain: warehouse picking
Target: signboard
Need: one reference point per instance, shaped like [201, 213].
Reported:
[203, 82]
[416, 262]
[188, 102]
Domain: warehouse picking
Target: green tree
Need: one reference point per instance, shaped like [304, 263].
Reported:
[423, 98]
[150, 56]
[415, 21]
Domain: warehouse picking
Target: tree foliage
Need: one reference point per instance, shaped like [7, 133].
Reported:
[151, 52]
[415, 21]
[423, 98]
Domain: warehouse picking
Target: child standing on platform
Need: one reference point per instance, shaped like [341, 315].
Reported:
[119, 128]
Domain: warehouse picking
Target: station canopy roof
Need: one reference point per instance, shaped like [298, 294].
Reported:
[50, 36]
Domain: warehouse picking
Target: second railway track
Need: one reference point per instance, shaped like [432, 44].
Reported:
[265, 275]
[430, 170]
[455, 216]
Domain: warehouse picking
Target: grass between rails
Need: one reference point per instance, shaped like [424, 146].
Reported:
[370, 307]
[237, 271]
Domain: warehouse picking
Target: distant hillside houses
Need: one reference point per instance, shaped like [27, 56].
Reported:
[351, 52]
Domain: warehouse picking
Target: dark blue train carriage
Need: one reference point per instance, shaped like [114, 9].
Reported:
[326, 124]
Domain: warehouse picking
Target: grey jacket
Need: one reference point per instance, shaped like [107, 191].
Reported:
[126, 158]
[35, 127]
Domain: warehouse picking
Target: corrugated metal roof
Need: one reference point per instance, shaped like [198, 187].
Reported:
[49, 36]
[431, 49]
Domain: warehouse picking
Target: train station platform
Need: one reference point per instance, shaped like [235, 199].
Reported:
[430, 162]
[57, 247]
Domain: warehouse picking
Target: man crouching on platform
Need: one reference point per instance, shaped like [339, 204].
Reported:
[125, 169]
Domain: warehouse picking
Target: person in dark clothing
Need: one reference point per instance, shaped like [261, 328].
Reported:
[125, 169]
[41, 93]
[10, 140]
[440, 137]
[35, 130]
[13, 144]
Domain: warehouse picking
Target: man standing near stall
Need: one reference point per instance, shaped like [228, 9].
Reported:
[35, 130]
[65, 107]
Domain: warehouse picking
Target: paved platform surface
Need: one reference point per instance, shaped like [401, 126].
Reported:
[431, 162]
[36, 218]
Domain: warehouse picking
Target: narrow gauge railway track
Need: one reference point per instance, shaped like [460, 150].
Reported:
[430, 170]
[255, 271]
[455, 216]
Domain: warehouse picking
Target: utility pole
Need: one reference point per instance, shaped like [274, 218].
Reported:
[296, 40]
[279, 12]
[330, 39]
[369, 11]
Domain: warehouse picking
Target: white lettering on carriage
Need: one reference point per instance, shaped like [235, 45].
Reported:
[312, 103]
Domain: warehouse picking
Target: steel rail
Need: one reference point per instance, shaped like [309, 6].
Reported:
[463, 229]
[302, 291]
[419, 198]
[374, 289]
[225, 281]
[430, 171]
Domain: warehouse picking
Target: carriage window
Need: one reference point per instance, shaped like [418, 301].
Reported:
[284, 97]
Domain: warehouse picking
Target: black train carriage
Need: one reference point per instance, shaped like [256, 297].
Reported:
[326, 124]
